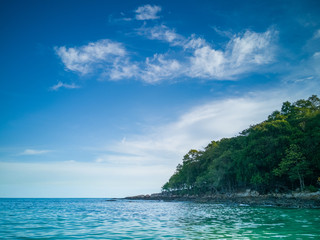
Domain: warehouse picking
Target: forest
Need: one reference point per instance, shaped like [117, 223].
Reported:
[280, 154]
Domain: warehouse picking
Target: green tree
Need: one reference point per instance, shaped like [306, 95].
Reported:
[294, 164]
[275, 154]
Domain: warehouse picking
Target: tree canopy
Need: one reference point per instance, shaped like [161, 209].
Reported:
[279, 154]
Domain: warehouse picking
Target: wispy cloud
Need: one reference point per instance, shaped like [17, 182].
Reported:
[194, 57]
[162, 33]
[243, 53]
[34, 152]
[194, 42]
[64, 85]
[87, 58]
[194, 129]
[198, 126]
[147, 12]
[316, 54]
[159, 67]
[186, 56]
[191, 56]
[169, 35]
[145, 160]
[308, 69]
[316, 34]
[222, 33]
[122, 68]
[117, 20]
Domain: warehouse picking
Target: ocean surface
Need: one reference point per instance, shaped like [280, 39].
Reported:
[124, 219]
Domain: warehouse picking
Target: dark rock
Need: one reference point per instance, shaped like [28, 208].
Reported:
[248, 198]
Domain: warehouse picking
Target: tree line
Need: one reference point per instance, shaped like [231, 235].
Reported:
[279, 154]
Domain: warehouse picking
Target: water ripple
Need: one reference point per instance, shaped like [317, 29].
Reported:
[100, 219]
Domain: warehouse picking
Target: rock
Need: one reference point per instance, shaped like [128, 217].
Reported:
[248, 193]
[249, 197]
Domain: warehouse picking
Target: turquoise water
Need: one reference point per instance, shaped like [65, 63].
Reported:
[123, 219]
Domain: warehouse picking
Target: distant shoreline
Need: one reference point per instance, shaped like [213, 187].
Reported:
[288, 200]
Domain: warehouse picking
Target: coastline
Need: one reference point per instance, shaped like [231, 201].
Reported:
[248, 198]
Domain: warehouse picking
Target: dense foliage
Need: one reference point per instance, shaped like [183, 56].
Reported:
[279, 154]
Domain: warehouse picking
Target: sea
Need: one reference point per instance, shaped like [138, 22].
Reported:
[138, 219]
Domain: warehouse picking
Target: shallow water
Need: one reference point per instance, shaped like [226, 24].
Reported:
[123, 219]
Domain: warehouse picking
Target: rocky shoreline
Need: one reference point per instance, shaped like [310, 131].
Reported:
[247, 198]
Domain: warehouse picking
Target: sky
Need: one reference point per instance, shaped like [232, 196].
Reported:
[104, 98]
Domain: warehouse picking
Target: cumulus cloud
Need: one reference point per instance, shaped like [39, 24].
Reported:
[191, 57]
[159, 68]
[122, 69]
[207, 62]
[194, 42]
[243, 53]
[86, 58]
[64, 85]
[162, 33]
[252, 47]
[166, 34]
[34, 152]
[147, 12]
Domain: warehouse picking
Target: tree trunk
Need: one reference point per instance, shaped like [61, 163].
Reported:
[301, 180]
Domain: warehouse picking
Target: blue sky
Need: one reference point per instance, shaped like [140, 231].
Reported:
[103, 98]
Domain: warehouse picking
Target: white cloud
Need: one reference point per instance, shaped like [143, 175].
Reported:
[306, 71]
[193, 57]
[120, 159]
[159, 68]
[34, 152]
[86, 58]
[222, 33]
[194, 129]
[243, 54]
[141, 164]
[64, 85]
[147, 12]
[252, 48]
[122, 68]
[198, 126]
[162, 33]
[207, 62]
[316, 34]
[117, 20]
[166, 34]
[194, 42]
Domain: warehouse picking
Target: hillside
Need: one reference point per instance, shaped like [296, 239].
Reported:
[279, 154]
